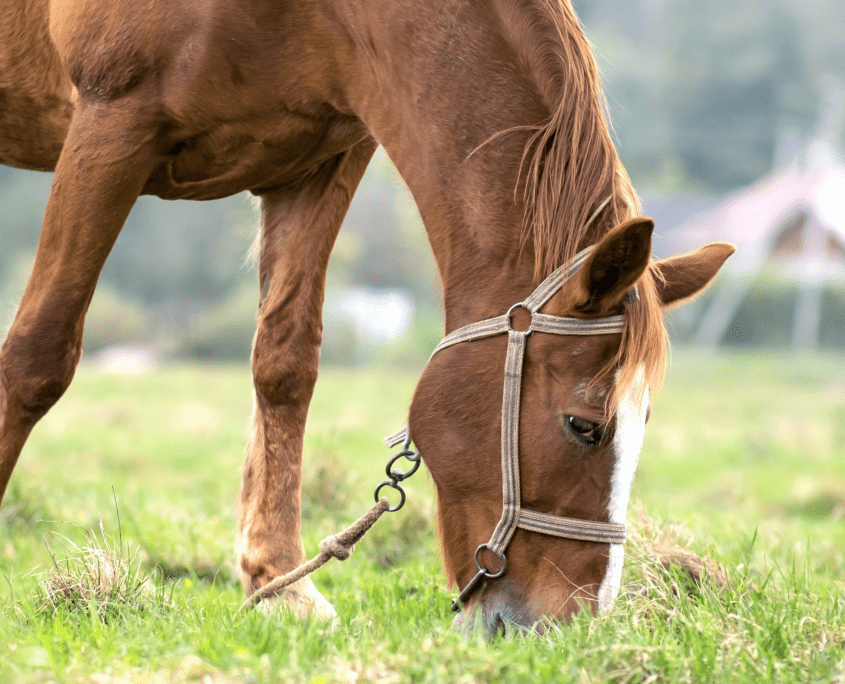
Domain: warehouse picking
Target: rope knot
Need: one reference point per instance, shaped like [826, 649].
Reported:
[333, 546]
[339, 546]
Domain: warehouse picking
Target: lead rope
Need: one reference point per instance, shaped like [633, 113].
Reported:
[342, 545]
[338, 546]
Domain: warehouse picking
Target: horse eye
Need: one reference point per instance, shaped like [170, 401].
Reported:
[584, 431]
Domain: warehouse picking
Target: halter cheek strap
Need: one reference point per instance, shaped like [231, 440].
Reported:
[513, 514]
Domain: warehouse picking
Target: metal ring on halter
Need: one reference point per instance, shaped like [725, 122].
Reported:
[518, 305]
[487, 573]
[392, 485]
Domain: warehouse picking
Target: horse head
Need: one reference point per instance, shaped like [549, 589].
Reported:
[584, 402]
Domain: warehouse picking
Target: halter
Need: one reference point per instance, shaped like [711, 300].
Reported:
[513, 514]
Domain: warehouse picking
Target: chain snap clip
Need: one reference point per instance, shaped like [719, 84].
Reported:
[396, 475]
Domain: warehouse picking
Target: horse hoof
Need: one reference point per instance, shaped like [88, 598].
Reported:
[303, 599]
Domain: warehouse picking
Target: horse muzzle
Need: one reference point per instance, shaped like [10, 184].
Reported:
[496, 612]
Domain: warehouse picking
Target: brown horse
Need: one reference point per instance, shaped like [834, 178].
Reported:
[492, 112]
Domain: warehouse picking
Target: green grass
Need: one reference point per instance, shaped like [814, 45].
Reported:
[744, 462]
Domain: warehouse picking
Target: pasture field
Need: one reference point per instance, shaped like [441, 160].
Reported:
[743, 464]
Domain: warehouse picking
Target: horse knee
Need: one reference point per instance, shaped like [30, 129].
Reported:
[284, 374]
[284, 384]
[37, 369]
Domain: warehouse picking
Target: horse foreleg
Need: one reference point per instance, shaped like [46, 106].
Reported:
[300, 224]
[104, 164]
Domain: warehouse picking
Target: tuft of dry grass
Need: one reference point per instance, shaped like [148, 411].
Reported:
[666, 546]
[97, 579]
[661, 570]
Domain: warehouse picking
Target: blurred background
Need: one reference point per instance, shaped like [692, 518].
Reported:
[728, 115]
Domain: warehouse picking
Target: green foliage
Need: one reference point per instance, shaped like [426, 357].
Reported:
[742, 466]
[766, 317]
[705, 89]
[223, 333]
[114, 319]
[415, 347]
[193, 250]
[341, 346]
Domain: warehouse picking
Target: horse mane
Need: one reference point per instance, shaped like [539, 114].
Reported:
[570, 166]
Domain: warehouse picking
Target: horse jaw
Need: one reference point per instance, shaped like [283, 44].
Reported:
[627, 444]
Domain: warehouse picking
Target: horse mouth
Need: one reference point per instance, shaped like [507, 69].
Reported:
[500, 626]
[492, 621]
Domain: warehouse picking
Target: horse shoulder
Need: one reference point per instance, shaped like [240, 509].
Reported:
[35, 106]
[108, 47]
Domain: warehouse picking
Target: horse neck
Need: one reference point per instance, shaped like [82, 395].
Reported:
[438, 99]
[474, 225]
[453, 90]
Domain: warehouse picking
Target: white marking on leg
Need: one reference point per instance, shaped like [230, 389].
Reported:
[627, 444]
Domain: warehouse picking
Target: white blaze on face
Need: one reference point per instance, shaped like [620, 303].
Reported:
[627, 443]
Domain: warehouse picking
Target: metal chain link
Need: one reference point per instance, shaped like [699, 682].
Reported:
[396, 475]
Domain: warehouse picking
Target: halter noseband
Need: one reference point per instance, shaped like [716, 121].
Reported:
[513, 514]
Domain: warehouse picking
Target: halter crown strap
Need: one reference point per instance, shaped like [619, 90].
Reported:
[546, 323]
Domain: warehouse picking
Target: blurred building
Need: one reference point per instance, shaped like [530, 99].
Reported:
[789, 229]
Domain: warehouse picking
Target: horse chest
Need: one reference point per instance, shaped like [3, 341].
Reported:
[250, 155]
[237, 93]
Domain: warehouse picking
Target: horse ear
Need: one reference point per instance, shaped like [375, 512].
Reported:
[687, 275]
[616, 263]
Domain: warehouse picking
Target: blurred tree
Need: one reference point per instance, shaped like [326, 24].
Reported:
[699, 92]
[383, 241]
[740, 73]
[23, 195]
[195, 249]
